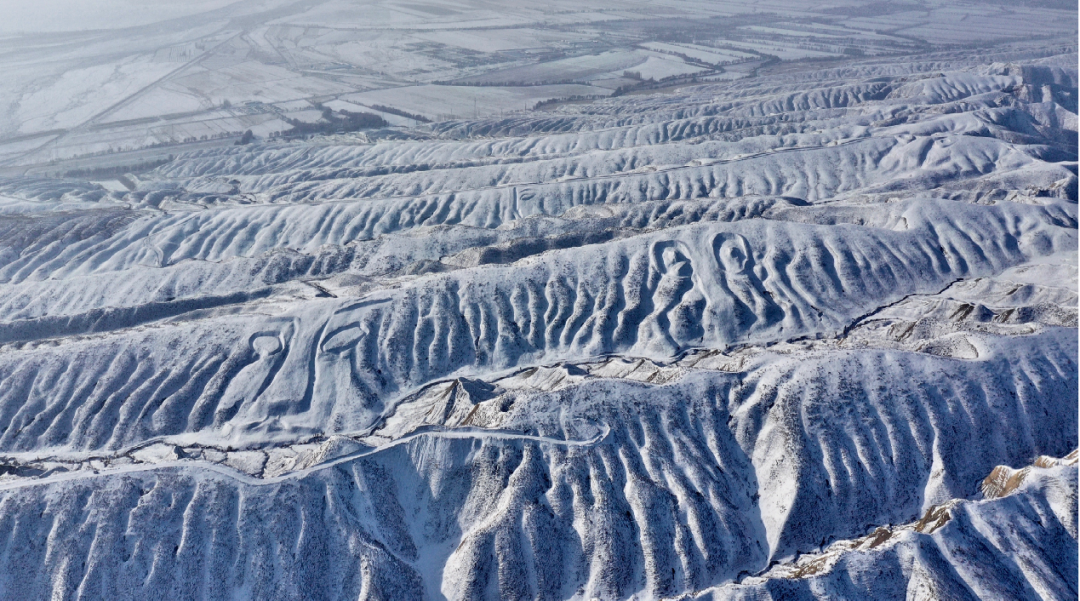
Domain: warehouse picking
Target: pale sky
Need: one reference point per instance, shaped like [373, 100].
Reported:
[74, 15]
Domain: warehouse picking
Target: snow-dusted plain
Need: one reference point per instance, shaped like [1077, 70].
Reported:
[807, 334]
[126, 82]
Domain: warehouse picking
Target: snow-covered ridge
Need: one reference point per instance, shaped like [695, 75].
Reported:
[651, 347]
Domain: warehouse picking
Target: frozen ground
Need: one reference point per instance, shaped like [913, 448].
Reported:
[811, 333]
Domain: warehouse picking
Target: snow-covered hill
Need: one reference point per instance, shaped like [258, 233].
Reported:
[758, 339]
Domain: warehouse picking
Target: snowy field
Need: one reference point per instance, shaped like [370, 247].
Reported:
[445, 102]
[136, 72]
[662, 300]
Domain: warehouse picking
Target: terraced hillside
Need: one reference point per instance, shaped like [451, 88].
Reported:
[789, 337]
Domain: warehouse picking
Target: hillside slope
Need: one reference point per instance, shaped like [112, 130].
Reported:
[760, 339]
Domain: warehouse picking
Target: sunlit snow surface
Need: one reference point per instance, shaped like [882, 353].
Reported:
[757, 339]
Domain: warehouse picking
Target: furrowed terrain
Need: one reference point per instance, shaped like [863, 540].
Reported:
[809, 334]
